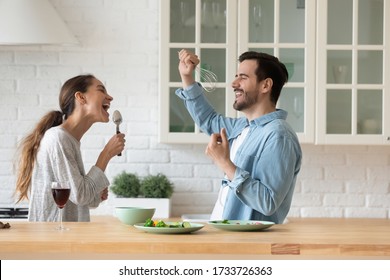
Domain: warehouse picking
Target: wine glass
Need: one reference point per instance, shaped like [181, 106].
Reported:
[257, 20]
[298, 107]
[61, 194]
[207, 21]
[184, 15]
[216, 12]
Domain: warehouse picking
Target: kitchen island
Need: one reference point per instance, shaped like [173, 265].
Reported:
[105, 237]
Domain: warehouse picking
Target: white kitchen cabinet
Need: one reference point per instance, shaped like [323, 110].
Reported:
[218, 31]
[353, 66]
[286, 29]
[209, 29]
[308, 38]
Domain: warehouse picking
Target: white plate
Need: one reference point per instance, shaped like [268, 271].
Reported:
[196, 218]
[241, 225]
[173, 230]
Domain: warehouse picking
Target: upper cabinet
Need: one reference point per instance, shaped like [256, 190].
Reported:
[208, 28]
[335, 53]
[286, 29]
[353, 72]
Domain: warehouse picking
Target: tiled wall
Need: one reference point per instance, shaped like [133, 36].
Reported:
[119, 44]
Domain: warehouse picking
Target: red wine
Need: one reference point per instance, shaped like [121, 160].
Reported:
[61, 196]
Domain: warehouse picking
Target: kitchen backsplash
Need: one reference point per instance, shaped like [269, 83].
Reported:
[119, 44]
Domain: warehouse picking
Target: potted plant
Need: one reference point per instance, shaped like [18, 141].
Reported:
[126, 185]
[152, 191]
[156, 186]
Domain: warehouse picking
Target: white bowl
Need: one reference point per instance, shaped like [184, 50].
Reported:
[134, 215]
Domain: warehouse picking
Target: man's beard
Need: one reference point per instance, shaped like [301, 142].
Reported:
[245, 103]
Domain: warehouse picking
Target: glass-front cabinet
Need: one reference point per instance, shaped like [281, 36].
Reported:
[208, 28]
[353, 72]
[218, 31]
[336, 53]
[286, 29]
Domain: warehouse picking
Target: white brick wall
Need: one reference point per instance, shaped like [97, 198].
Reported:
[119, 44]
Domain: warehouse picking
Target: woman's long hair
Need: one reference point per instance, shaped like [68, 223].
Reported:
[29, 146]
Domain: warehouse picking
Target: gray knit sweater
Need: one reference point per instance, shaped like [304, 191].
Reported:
[59, 159]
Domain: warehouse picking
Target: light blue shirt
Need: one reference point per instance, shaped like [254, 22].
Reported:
[267, 162]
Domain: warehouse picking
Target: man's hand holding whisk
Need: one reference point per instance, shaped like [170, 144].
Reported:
[187, 64]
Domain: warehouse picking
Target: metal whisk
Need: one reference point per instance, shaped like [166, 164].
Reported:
[208, 78]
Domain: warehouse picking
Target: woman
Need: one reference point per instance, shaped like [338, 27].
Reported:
[51, 153]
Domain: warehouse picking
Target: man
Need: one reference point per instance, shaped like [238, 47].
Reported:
[259, 153]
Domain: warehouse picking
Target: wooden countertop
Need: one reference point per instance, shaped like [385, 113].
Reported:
[106, 238]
